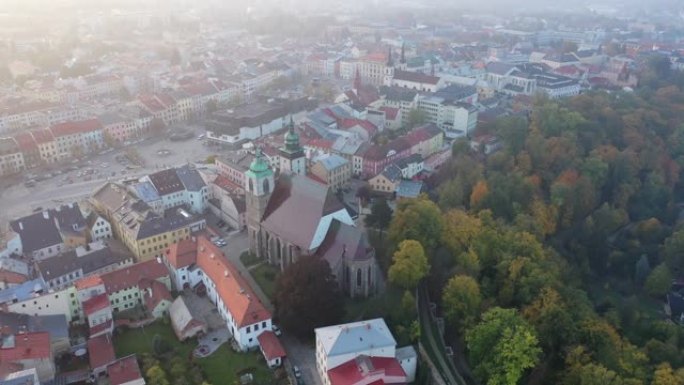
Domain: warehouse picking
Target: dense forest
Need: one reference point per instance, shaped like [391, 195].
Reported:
[550, 258]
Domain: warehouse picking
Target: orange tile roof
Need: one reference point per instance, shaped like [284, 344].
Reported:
[87, 282]
[182, 254]
[95, 304]
[270, 345]
[234, 290]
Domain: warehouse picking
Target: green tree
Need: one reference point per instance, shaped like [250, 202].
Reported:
[462, 299]
[502, 347]
[419, 219]
[308, 296]
[211, 159]
[156, 376]
[674, 251]
[659, 281]
[416, 117]
[664, 375]
[380, 216]
[409, 265]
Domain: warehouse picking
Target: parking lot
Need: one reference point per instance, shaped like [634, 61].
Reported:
[75, 180]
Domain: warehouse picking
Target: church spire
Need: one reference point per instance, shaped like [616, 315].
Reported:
[403, 53]
[390, 62]
[357, 80]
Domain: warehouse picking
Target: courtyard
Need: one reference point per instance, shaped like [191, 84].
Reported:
[224, 366]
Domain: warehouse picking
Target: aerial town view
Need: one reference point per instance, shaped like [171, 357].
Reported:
[328, 192]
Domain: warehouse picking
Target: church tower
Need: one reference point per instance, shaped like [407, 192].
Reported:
[292, 158]
[402, 62]
[389, 69]
[259, 183]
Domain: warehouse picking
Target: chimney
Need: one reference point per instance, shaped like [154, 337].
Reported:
[225, 273]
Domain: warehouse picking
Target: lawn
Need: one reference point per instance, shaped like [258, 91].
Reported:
[381, 305]
[249, 259]
[265, 276]
[220, 368]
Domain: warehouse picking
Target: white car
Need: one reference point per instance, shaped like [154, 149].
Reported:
[276, 330]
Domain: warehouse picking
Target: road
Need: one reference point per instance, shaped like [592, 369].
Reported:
[19, 200]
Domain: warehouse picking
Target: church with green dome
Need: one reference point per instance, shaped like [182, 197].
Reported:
[292, 158]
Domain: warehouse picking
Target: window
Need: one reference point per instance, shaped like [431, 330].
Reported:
[248, 329]
[358, 277]
[263, 324]
[256, 327]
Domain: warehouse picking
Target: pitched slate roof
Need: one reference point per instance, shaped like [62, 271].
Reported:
[300, 199]
[344, 241]
[415, 77]
[191, 178]
[355, 337]
[89, 261]
[499, 68]
[37, 231]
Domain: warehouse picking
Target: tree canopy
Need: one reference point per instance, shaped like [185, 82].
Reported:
[308, 296]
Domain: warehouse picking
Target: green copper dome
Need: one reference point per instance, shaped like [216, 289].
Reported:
[292, 139]
[259, 165]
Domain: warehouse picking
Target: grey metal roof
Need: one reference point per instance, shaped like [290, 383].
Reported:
[409, 189]
[332, 161]
[392, 172]
[355, 337]
[191, 178]
[145, 191]
[55, 324]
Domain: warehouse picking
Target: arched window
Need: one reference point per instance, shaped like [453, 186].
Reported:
[266, 186]
[250, 188]
[358, 277]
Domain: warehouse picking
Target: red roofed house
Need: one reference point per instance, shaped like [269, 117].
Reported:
[125, 286]
[377, 157]
[364, 370]
[161, 106]
[79, 137]
[363, 128]
[425, 140]
[98, 311]
[47, 146]
[246, 317]
[271, 349]
[392, 117]
[29, 148]
[30, 350]
[156, 297]
[125, 371]
[100, 353]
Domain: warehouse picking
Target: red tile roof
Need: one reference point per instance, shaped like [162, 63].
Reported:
[100, 351]
[72, 128]
[365, 370]
[390, 112]
[270, 345]
[154, 293]
[130, 276]
[88, 282]
[237, 295]
[95, 304]
[183, 253]
[42, 135]
[97, 329]
[234, 290]
[423, 133]
[123, 370]
[27, 346]
[319, 143]
[226, 184]
[25, 141]
[11, 277]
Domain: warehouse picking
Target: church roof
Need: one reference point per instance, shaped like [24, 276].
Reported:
[296, 207]
[344, 241]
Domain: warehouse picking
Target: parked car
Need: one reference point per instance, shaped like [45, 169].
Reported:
[276, 330]
[297, 372]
